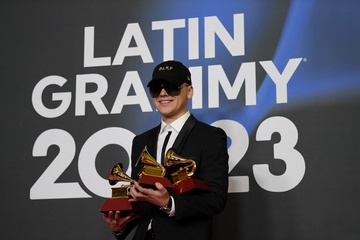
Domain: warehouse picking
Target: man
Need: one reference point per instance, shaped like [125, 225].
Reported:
[189, 215]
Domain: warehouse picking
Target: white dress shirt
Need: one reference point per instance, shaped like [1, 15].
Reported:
[175, 128]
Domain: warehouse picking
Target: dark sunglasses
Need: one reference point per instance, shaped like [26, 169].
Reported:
[171, 89]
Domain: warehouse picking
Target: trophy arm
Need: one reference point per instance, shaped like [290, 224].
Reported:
[191, 166]
[163, 170]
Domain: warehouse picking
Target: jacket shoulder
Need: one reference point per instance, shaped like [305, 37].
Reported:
[208, 129]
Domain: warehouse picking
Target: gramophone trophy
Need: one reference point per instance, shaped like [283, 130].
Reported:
[119, 200]
[152, 171]
[181, 177]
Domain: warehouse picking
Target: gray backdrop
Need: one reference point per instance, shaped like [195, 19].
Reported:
[281, 77]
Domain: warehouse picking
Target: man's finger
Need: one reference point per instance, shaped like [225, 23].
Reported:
[117, 215]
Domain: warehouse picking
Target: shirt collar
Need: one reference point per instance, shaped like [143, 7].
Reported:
[177, 124]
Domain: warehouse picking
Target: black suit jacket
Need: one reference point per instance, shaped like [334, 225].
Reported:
[206, 145]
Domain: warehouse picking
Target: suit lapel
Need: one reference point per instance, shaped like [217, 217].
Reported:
[183, 134]
[152, 143]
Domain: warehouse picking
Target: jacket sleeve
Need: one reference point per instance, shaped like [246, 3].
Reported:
[212, 159]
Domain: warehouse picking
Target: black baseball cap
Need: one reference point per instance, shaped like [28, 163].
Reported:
[171, 71]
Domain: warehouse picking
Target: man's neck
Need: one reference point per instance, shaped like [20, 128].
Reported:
[169, 120]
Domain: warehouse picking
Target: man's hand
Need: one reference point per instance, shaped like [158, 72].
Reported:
[117, 223]
[158, 197]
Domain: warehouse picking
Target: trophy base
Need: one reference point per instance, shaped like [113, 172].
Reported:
[189, 184]
[149, 181]
[118, 204]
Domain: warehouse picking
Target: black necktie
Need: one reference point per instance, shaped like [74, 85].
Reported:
[164, 147]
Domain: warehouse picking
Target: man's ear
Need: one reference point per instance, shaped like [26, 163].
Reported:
[190, 92]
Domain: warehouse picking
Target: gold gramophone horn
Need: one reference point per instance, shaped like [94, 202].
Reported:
[186, 167]
[117, 174]
[152, 167]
